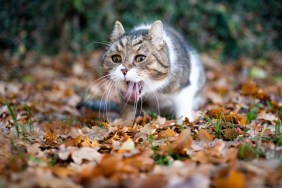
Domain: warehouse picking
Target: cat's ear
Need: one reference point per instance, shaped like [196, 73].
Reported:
[117, 32]
[156, 32]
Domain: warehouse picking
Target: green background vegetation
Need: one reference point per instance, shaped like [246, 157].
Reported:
[231, 28]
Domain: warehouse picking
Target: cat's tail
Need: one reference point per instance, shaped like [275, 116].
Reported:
[99, 105]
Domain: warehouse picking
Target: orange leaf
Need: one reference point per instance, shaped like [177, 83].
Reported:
[115, 165]
[62, 171]
[82, 141]
[217, 112]
[50, 136]
[249, 88]
[169, 133]
[233, 178]
[183, 142]
[236, 118]
[205, 136]
[142, 161]
[166, 134]
[211, 154]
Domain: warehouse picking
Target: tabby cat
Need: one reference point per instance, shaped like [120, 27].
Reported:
[154, 63]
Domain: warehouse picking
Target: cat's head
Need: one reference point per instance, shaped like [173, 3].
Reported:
[137, 61]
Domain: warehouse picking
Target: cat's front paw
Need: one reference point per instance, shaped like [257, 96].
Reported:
[191, 115]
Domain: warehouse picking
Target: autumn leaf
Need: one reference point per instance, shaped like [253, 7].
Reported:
[143, 161]
[205, 136]
[210, 154]
[166, 134]
[82, 141]
[63, 171]
[50, 136]
[230, 178]
[250, 89]
[128, 145]
[115, 164]
[183, 142]
[85, 153]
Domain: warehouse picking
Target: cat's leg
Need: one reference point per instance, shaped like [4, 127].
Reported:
[189, 98]
[184, 103]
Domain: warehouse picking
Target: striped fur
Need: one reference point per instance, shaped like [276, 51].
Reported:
[171, 71]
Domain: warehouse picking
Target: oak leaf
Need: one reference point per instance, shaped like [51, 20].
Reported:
[183, 142]
[86, 153]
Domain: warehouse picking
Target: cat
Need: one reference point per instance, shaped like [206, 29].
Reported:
[154, 63]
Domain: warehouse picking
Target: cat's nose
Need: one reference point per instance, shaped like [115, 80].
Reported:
[124, 71]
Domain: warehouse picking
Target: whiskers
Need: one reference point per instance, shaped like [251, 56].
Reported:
[89, 95]
[104, 96]
[98, 96]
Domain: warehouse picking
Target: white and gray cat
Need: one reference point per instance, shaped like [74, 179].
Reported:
[154, 63]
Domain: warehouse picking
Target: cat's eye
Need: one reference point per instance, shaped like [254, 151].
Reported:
[139, 58]
[116, 58]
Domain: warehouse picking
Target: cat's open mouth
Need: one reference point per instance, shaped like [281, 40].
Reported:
[134, 90]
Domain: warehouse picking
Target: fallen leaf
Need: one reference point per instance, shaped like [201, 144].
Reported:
[86, 153]
[50, 136]
[166, 134]
[155, 180]
[230, 178]
[211, 154]
[205, 136]
[63, 171]
[127, 145]
[183, 142]
[82, 141]
[148, 129]
[250, 89]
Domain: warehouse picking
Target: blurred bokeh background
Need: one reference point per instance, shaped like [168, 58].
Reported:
[229, 29]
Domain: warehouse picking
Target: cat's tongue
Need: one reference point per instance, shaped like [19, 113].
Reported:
[133, 91]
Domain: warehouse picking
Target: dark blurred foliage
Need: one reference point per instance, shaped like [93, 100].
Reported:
[232, 28]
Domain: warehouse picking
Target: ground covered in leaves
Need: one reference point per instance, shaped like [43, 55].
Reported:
[46, 142]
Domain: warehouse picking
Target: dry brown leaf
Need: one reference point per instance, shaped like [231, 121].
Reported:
[148, 129]
[64, 152]
[183, 142]
[40, 177]
[143, 162]
[142, 120]
[211, 154]
[127, 146]
[98, 133]
[235, 118]
[155, 180]
[230, 178]
[113, 165]
[82, 141]
[250, 89]
[50, 136]
[205, 136]
[34, 149]
[63, 171]
[86, 153]
[166, 134]
[169, 133]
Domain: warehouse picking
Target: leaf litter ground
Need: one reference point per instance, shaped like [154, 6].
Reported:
[46, 142]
